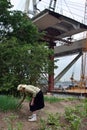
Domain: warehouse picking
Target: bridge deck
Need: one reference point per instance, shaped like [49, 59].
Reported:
[75, 47]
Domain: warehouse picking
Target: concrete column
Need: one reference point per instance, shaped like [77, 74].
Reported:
[51, 76]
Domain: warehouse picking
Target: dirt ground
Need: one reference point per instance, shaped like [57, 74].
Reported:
[23, 113]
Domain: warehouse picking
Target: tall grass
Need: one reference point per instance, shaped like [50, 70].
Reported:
[53, 99]
[8, 103]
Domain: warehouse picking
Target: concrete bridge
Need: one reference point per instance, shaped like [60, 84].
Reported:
[59, 28]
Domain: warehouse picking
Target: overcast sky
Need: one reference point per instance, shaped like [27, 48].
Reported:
[70, 8]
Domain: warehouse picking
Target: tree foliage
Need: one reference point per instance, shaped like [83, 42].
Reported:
[23, 57]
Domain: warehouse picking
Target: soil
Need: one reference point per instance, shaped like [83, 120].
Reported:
[23, 113]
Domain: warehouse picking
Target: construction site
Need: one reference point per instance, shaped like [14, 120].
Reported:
[60, 32]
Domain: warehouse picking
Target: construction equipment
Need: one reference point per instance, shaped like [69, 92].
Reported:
[83, 78]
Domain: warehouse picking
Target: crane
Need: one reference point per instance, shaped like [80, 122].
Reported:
[83, 79]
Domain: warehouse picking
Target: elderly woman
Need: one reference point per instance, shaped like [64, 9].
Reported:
[37, 100]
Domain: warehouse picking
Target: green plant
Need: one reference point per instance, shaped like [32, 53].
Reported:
[75, 122]
[52, 118]
[72, 118]
[53, 99]
[80, 110]
[85, 106]
[8, 103]
[52, 122]
[11, 125]
[42, 124]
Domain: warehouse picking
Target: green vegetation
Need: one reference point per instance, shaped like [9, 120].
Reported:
[8, 103]
[52, 99]
[10, 123]
[72, 119]
[52, 122]
[24, 57]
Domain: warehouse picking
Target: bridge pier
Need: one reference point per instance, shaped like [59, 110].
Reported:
[51, 76]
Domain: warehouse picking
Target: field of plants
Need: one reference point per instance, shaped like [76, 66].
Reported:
[58, 114]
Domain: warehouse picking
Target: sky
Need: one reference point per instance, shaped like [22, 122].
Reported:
[71, 8]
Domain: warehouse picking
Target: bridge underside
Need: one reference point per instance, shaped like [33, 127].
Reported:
[56, 28]
[75, 47]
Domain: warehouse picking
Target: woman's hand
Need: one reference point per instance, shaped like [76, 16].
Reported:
[32, 101]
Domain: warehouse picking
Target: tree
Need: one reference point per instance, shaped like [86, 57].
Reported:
[4, 18]
[23, 57]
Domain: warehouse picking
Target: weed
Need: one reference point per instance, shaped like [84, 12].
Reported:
[52, 122]
[72, 118]
[11, 125]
